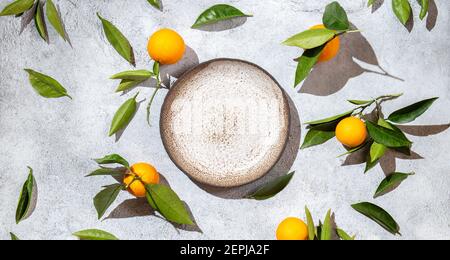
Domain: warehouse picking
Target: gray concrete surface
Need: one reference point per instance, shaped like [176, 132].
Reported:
[58, 137]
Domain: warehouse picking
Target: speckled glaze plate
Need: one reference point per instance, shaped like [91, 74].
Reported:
[225, 123]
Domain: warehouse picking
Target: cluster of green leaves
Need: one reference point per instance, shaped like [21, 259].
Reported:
[313, 41]
[34, 10]
[160, 197]
[326, 230]
[218, 13]
[403, 10]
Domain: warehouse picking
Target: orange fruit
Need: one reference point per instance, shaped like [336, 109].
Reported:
[139, 175]
[331, 49]
[292, 229]
[351, 132]
[166, 47]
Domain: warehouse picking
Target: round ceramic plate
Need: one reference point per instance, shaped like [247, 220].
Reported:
[225, 123]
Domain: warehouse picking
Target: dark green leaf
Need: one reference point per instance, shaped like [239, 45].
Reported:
[402, 10]
[311, 39]
[425, 4]
[13, 236]
[118, 40]
[379, 215]
[310, 223]
[390, 183]
[155, 3]
[113, 159]
[46, 86]
[40, 22]
[271, 189]
[387, 137]
[17, 7]
[327, 228]
[410, 113]
[26, 197]
[306, 62]
[343, 235]
[95, 234]
[353, 150]
[115, 172]
[218, 13]
[123, 116]
[105, 198]
[331, 119]
[137, 75]
[316, 137]
[54, 17]
[335, 17]
[164, 200]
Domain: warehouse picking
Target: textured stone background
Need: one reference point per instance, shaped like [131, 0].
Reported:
[58, 137]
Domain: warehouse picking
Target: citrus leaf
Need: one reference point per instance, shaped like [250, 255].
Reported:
[425, 4]
[128, 84]
[39, 20]
[95, 234]
[410, 113]
[271, 189]
[390, 183]
[137, 75]
[310, 223]
[17, 7]
[155, 3]
[27, 17]
[118, 40]
[343, 235]
[105, 198]
[123, 116]
[377, 151]
[317, 137]
[330, 119]
[360, 102]
[54, 17]
[218, 13]
[306, 62]
[327, 229]
[402, 10]
[164, 200]
[379, 215]
[387, 137]
[13, 236]
[353, 150]
[108, 172]
[46, 86]
[26, 197]
[335, 17]
[311, 38]
[370, 2]
[113, 159]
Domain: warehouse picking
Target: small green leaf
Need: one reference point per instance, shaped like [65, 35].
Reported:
[306, 62]
[387, 137]
[115, 172]
[377, 151]
[218, 13]
[353, 150]
[370, 2]
[26, 197]
[344, 236]
[17, 7]
[271, 189]
[390, 183]
[425, 5]
[54, 17]
[126, 84]
[156, 68]
[137, 75]
[379, 215]
[40, 22]
[113, 159]
[95, 234]
[360, 102]
[317, 136]
[402, 10]
[164, 200]
[13, 236]
[155, 3]
[327, 228]
[335, 17]
[310, 223]
[123, 116]
[106, 197]
[410, 113]
[46, 86]
[118, 40]
[331, 119]
[311, 39]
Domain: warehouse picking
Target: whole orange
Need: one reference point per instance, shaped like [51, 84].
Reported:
[292, 229]
[166, 47]
[331, 49]
[139, 175]
[351, 132]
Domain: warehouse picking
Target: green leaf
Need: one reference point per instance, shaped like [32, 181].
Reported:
[46, 86]
[128, 84]
[335, 17]
[353, 150]
[370, 164]
[402, 10]
[360, 102]
[344, 236]
[410, 113]
[155, 3]
[317, 136]
[105, 198]
[327, 229]
[310, 223]
[218, 13]
[108, 172]
[387, 137]
[306, 62]
[137, 75]
[156, 69]
[13, 236]
[271, 189]
[390, 183]
[164, 200]
[123, 116]
[54, 17]
[331, 119]
[425, 4]
[95, 234]
[118, 40]
[17, 7]
[371, 2]
[311, 39]
[113, 159]
[379, 215]
[40, 22]
[26, 197]
[377, 151]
